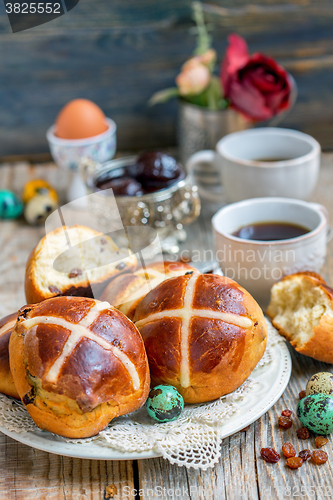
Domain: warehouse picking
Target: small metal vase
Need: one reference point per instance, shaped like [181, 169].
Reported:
[201, 128]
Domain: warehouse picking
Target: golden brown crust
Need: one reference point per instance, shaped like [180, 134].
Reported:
[221, 354]
[118, 293]
[91, 288]
[104, 373]
[309, 274]
[126, 291]
[319, 345]
[314, 279]
[32, 295]
[7, 385]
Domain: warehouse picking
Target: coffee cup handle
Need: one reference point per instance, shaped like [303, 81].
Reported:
[207, 156]
[324, 211]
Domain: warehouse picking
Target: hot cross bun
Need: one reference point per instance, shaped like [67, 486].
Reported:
[77, 261]
[7, 385]
[77, 363]
[203, 333]
[126, 291]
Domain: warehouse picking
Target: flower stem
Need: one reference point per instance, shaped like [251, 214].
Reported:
[204, 39]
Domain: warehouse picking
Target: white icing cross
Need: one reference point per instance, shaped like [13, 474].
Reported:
[79, 331]
[186, 314]
[152, 279]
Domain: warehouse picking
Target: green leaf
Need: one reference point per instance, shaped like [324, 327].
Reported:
[163, 95]
[224, 104]
[198, 100]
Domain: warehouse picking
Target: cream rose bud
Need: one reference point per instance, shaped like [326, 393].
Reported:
[207, 57]
[193, 78]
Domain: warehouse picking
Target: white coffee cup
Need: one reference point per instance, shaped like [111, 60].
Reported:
[257, 265]
[292, 171]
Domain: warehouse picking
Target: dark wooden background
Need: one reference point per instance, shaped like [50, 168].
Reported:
[118, 52]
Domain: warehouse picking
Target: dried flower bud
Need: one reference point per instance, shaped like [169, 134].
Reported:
[193, 78]
[208, 58]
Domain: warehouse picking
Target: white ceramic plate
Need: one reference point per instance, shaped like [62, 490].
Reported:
[271, 379]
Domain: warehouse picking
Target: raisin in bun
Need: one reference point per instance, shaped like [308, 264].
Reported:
[7, 385]
[85, 270]
[126, 291]
[203, 333]
[301, 309]
[77, 363]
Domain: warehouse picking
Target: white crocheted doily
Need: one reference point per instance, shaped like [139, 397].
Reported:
[193, 440]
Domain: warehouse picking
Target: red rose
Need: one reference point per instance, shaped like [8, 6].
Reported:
[256, 85]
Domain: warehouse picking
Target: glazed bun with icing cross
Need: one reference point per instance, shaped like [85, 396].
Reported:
[204, 334]
[7, 385]
[126, 291]
[82, 269]
[77, 363]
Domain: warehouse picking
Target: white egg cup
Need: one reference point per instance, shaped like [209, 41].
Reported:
[67, 154]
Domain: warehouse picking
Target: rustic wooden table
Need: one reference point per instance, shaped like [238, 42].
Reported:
[27, 473]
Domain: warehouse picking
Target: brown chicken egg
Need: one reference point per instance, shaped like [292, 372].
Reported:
[80, 119]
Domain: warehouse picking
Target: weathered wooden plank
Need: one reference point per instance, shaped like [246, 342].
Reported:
[119, 53]
[241, 473]
[120, 15]
[27, 473]
[17, 238]
[278, 481]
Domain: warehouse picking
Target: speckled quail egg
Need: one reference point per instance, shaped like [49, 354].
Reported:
[38, 186]
[38, 209]
[316, 413]
[11, 206]
[164, 403]
[321, 382]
